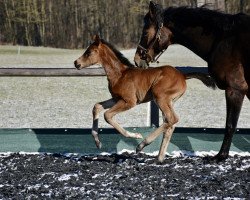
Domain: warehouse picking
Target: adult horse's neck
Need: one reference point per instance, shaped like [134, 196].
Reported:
[113, 62]
[193, 39]
[198, 29]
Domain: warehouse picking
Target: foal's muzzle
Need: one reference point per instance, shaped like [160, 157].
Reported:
[140, 62]
[77, 66]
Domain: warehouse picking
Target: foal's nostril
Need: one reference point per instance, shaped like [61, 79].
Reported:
[75, 63]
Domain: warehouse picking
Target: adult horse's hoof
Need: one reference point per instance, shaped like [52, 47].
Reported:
[215, 159]
[220, 157]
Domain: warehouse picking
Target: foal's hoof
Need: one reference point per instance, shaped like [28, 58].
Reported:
[133, 135]
[138, 136]
[159, 162]
[138, 149]
[98, 144]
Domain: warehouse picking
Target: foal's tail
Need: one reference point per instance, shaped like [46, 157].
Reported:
[205, 78]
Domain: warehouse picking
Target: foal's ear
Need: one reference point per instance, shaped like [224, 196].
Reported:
[96, 39]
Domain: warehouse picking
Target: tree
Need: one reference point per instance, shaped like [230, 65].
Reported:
[71, 23]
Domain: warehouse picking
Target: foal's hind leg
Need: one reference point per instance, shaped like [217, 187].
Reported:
[120, 106]
[148, 140]
[96, 111]
[170, 118]
[164, 144]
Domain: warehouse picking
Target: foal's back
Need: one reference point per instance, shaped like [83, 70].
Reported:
[142, 85]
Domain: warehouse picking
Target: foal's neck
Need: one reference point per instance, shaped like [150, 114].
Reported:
[112, 65]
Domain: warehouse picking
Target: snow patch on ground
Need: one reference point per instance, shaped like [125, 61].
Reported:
[66, 177]
[174, 154]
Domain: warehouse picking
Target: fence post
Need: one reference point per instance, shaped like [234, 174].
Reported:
[154, 114]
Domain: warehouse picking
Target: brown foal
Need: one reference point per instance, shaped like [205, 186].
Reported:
[130, 86]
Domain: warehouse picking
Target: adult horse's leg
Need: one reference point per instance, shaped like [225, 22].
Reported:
[120, 106]
[234, 100]
[96, 112]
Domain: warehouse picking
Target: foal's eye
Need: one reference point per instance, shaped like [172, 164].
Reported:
[87, 53]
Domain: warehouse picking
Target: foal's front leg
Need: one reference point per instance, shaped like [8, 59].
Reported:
[119, 107]
[96, 112]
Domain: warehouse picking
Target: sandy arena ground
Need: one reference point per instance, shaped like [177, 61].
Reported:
[58, 102]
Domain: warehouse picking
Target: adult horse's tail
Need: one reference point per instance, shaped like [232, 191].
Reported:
[205, 78]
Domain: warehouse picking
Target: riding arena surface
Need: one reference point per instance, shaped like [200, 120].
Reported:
[122, 176]
[41, 102]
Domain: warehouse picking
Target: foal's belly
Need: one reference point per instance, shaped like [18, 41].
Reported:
[143, 97]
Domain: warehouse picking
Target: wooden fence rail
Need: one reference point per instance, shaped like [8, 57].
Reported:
[46, 72]
[73, 72]
[62, 72]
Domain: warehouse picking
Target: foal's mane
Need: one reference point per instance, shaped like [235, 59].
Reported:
[211, 20]
[118, 54]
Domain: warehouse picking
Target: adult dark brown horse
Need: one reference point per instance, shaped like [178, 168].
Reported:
[223, 40]
[130, 86]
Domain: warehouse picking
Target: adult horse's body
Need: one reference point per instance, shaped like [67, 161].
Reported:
[223, 40]
[130, 86]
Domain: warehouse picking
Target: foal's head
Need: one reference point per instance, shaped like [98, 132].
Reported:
[155, 37]
[90, 56]
[99, 51]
